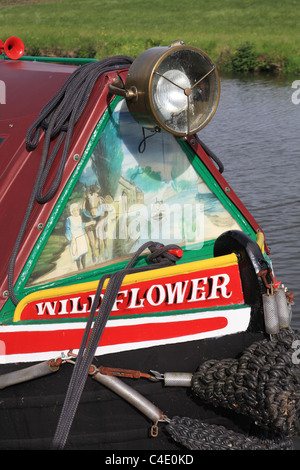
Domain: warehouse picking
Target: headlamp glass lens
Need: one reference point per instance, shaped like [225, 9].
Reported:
[184, 91]
[170, 92]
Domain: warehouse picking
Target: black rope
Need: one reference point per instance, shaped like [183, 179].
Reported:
[92, 336]
[197, 435]
[263, 383]
[57, 119]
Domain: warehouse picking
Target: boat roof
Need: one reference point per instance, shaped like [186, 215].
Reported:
[28, 86]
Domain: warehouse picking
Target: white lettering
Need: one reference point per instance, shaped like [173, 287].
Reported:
[117, 301]
[46, 307]
[134, 299]
[222, 286]
[178, 291]
[116, 460]
[196, 289]
[158, 221]
[165, 221]
[63, 304]
[161, 295]
[75, 308]
[170, 459]
[194, 223]
[138, 222]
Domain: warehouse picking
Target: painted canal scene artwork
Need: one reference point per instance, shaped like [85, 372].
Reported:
[120, 201]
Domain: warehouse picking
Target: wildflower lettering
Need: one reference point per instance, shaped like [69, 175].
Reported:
[182, 292]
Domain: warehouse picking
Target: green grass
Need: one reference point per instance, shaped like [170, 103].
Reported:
[268, 31]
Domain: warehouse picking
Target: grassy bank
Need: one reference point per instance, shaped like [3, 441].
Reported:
[238, 35]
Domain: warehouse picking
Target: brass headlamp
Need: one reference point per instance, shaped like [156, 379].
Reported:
[175, 88]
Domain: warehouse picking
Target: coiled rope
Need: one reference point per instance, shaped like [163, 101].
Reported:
[263, 384]
[57, 119]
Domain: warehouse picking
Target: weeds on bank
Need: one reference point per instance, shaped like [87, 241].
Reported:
[242, 60]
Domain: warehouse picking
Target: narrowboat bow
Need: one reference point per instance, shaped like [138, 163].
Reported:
[139, 306]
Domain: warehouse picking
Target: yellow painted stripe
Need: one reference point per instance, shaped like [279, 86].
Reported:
[260, 240]
[218, 262]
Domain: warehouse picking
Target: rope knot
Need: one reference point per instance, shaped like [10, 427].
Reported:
[164, 253]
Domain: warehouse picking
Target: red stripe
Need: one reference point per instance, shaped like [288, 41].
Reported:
[156, 331]
[59, 340]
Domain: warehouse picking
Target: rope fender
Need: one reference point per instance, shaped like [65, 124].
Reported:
[263, 383]
[197, 435]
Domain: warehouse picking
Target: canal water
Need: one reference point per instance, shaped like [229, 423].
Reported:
[256, 134]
